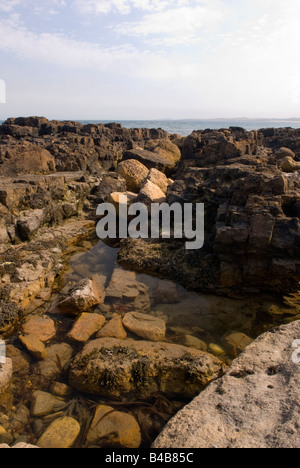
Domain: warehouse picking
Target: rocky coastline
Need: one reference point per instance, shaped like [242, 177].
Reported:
[97, 350]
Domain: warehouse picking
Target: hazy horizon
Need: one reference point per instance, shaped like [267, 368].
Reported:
[150, 59]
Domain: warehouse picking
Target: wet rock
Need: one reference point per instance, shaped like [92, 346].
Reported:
[6, 374]
[61, 390]
[113, 329]
[58, 360]
[81, 298]
[236, 342]
[34, 346]
[116, 429]
[145, 326]
[85, 327]
[134, 173]
[5, 437]
[150, 193]
[44, 403]
[61, 434]
[20, 360]
[193, 342]
[125, 287]
[216, 350]
[255, 404]
[41, 327]
[20, 419]
[137, 369]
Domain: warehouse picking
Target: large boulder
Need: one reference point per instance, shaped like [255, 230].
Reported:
[25, 158]
[254, 405]
[134, 173]
[138, 369]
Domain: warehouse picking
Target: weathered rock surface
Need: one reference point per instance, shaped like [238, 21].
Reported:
[255, 404]
[149, 194]
[81, 298]
[134, 173]
[137, 369]
[115, 428]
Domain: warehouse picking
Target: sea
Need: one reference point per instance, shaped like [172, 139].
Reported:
[187, 126]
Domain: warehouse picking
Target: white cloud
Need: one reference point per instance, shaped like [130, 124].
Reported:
[126, 6]
[8, 5]
[180, 25]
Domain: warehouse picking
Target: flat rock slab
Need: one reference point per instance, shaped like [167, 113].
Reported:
[85, 327]
[255, 404]
[137, 369]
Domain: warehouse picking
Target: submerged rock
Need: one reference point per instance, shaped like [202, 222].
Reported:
[34, 346]
[44, 403]
[85, 327]
[6, 373]
[58, 359]
[61, 434]
[113, 329]
[146, 326]
[115, 428]
[137, 369]
[255, 404]
[41, 327]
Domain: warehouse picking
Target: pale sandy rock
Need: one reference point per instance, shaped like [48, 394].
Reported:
[41, 327]
[254, 405]
[159, 179]
[134, 173]
[119, 429]
[150, 193]
[288, 164]
[85, 327]
[145, 326]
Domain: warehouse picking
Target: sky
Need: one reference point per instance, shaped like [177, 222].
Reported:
[150, 59]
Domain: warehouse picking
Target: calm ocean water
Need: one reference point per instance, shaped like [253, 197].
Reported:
[186, 127]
